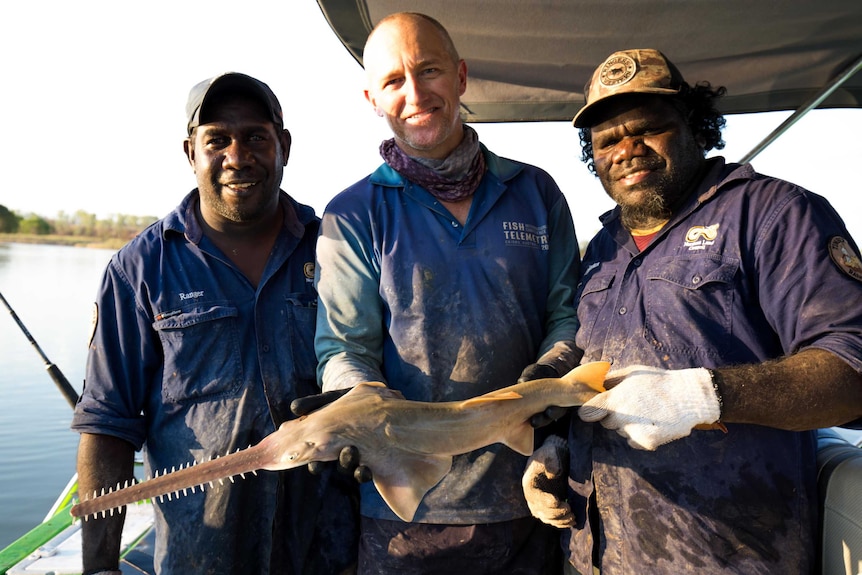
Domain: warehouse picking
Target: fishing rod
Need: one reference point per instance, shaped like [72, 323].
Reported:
[62, 383]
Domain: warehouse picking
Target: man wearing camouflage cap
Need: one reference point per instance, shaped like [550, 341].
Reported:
[721, 297]
[203, 336]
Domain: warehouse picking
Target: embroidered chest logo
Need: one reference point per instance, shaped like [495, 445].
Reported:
[525, 235]
[308, 270]
[845, 257]
[699, 237]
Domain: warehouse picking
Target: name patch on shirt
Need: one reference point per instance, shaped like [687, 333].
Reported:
[845, 257]
[525, 235]
[191, 295]
[699, 237]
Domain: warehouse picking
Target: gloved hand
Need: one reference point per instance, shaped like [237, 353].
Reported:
[544, 483]
[348, 459]
[538, 371]
[651, 406]
[552, 413]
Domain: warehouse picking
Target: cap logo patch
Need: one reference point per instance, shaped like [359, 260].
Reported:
[845, 257]
[617, 70]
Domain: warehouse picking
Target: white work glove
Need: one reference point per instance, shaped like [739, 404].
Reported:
[544, 482]
[651, 406]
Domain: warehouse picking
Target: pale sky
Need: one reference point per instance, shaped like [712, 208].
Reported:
[93, 97]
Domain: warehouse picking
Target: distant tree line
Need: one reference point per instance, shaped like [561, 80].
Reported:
[117, 226]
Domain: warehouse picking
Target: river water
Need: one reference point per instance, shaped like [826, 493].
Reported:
[51, 289]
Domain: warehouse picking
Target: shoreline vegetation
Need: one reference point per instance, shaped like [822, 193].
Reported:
[80, 229]
[63, 240]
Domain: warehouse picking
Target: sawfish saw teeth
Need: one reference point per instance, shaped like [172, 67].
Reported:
[163, 485]
[445, 429]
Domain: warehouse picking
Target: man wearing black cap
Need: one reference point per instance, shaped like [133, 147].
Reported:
[722, 297]
[202, 336]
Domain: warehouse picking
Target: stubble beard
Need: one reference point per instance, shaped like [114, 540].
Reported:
[652, 204]
[246, 211]
[421, 139]
[648, 211]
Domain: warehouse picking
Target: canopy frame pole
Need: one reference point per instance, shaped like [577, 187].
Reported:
[804, 109]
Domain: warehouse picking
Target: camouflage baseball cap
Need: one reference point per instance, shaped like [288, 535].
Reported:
[643, 71]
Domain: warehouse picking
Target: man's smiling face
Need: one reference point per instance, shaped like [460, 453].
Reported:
[416, 84]
[238, 156]
[645, 156]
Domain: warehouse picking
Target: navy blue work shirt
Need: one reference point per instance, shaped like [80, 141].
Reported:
[752, 268]
[190, 361]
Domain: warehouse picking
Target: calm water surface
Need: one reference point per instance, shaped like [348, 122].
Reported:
[51, 289]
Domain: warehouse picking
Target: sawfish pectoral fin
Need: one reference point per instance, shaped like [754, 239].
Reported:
[404, 482]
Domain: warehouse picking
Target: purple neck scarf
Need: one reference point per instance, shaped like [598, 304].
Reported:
[451, 180]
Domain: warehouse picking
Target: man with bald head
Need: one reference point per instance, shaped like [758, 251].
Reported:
[447, 273]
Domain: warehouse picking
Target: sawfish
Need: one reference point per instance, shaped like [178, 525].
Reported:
[408, 445]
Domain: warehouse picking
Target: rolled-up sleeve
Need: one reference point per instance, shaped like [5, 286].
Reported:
[120, 360]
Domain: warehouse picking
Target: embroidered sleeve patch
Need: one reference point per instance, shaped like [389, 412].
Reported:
[94, 321]
[845, 257]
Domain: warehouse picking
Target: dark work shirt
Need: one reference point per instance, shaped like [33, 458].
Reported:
[749, 270]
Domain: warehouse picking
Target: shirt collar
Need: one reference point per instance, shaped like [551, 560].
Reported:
[184, 220]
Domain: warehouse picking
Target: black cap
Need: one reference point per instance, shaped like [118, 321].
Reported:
[236, 81]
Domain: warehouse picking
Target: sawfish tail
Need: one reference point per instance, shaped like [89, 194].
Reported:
[174, 483]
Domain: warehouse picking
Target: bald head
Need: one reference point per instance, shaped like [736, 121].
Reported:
[409, 24]
[415, 80]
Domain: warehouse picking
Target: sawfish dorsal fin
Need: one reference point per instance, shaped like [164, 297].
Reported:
[403, 486]
[592, 374]
[508, 395]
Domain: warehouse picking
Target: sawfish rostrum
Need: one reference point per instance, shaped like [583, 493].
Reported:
[408, 445]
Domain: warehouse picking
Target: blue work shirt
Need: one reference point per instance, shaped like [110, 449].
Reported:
[444, 312]
[190, 361]
[742, 274]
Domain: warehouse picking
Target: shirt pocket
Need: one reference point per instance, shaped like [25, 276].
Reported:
[689, 305]
[202, 354]
[591, 302]
[301, 322]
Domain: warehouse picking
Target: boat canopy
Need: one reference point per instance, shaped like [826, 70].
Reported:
[529, 60]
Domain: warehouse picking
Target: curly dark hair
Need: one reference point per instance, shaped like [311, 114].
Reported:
[696, 103]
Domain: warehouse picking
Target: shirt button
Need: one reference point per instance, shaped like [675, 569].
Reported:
[265, 348]
[623, 310]
[637, 262]
[454, 224]
[696, 280]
